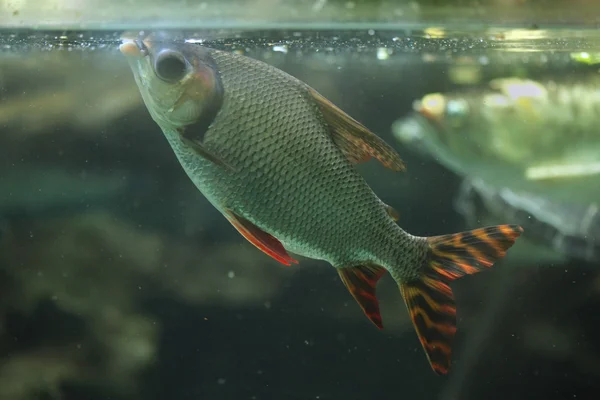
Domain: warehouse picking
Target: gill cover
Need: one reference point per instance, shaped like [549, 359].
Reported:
[190, 69]
[180, 84]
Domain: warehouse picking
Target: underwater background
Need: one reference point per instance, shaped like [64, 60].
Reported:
[118, 279]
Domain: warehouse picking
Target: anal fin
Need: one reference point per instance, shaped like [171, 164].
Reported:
[361, 282]
[261, 239]
[357, 142]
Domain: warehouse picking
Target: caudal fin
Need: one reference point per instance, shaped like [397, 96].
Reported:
[430, 300]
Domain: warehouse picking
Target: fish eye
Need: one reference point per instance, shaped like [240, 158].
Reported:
[457, 108]
[170, 66]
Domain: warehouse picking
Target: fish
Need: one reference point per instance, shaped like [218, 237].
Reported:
[278, 160]
[559, 228]
[542, 131]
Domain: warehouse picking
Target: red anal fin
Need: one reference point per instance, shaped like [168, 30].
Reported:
[264, 241]
[357, 142]
[361, 282]
[430, 300]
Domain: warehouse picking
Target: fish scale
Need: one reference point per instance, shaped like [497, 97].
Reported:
[342, 206]
[277, 160]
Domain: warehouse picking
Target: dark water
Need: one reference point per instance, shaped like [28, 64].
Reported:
[120, 281]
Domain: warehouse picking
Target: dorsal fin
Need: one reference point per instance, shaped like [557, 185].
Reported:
[357, 142]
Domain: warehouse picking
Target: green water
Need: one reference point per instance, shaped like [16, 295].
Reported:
[122, 282]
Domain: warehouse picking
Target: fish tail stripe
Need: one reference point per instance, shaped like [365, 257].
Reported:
[439, 346]
[430, 300]
[493, 242]
[442, 291]
[474, 250]
[435, 326]
[432, 326]
[448, 274]
[438, 350]
[439, 368]
[439, 307]
[427, 303]
[361, 282]
[448, 252]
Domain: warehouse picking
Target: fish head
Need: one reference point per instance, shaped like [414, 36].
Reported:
[419, 134]
[177, 80]
[436, 121]
[444, 111]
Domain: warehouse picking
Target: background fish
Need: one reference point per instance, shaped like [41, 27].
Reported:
[276, 158]
[532, 136]
[569, 229]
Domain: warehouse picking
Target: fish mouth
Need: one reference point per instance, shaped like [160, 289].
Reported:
[135, 46]
[140, 44]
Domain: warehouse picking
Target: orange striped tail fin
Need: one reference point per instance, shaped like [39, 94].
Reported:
[430, 300]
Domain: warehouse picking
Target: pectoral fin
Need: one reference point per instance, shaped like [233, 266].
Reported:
[261, 239]
[357, 142]
[199, 148]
